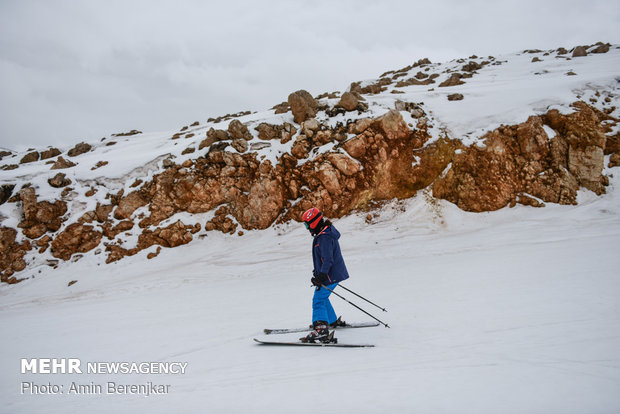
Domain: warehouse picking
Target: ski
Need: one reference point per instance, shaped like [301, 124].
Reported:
[294, 330]
[329, 344]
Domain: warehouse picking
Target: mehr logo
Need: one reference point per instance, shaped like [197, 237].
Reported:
[51, 366]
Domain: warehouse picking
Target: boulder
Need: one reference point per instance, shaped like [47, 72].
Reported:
[79, 149]
[62, 163]
[303, 105]
[59, 180]
[237, 130]
[580, 51]
[50, 153]
[30, 157]
[348, 101]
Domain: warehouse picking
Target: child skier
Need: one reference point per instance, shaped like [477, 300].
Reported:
[329, 270]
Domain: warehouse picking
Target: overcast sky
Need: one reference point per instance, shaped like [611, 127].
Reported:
[82, 70]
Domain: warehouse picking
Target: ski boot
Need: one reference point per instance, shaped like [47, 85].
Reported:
[338, 323]
[320, 333]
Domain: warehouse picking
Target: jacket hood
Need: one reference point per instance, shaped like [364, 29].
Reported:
[330, 231]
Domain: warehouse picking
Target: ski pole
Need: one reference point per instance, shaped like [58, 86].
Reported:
[353, 304]
[361, 297]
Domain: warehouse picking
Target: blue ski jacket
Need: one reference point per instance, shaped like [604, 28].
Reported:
[327, 257]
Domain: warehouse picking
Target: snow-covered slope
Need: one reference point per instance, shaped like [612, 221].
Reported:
[514, 311]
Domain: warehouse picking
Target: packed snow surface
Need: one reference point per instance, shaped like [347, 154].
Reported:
[512, 311]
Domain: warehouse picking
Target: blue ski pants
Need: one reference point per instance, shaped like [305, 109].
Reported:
[322, 309]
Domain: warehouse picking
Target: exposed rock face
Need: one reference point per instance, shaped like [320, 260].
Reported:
[11, 255]
[384, 159]
[303, 105]
[522, 160]
[76, 238]
[455, 97]
[129, 204]
[40, 217]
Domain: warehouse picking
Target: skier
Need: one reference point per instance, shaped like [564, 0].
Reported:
[329, 270]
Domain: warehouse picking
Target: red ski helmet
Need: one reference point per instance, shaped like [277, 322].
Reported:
[312, 218]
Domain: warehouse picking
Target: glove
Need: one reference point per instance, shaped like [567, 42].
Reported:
[319, 279]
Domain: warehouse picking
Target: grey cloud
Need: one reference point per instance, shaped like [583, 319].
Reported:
[73, 70]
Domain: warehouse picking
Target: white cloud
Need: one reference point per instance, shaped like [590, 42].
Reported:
[74, 70]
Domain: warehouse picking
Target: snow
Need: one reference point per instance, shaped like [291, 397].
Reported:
[512, 311]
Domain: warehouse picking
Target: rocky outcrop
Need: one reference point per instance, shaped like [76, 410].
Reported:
[303, 105]
[11, 255]
[76, 238]
[39, 217]
[371, 159]
[521, 160]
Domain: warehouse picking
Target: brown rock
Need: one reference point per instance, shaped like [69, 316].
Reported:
[61, 163]
[344, 164]
[240, 145]
[303, 105]
[301, 148]
[238, 131]
[59, 180]
[11, 255]
[455, 97]
[129, 204]
[329, 177]
[40, 217]
[6, 190]
[76, 238]
[207, 142]
[356, 146]
[580, 51]
[348, 101]
[79, 149]
[217, 134]
[50, 153]
[154, 254]
[309, 127]
[602, 48]
[453, 80]
[393, 125]
[30, 157]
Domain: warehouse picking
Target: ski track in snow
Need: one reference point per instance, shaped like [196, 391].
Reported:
[513, 311]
